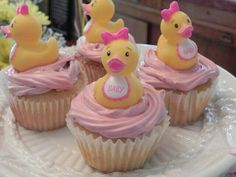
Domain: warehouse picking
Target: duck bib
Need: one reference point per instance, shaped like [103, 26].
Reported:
[116, 88]
[187, 49]
[88, 26]
[12, 52]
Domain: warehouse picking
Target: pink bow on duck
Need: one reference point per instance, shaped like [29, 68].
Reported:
[167, 13]
[23, 9]
[109, 37]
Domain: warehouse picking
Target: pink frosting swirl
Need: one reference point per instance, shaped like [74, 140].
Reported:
[60, 75]
[117, 123]
[156, 73]
[92, 51]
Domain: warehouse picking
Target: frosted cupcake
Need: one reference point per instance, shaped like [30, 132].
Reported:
[40, 82]
[113, 119]
[90, 45]
[176, 66]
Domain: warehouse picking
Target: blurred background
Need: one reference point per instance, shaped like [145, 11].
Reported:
[214, 23]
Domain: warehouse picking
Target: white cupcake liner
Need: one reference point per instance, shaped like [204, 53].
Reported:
[45, 111]
[187, 107]
[40, 115]
[109, 155]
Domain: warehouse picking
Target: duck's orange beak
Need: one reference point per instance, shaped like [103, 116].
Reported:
[116, 65]
[6, 30]
[86, 9]
[186, 31]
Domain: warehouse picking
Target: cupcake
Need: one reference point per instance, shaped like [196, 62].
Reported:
[40, 82]
[188, 78]
[89, 46]
[112, 119]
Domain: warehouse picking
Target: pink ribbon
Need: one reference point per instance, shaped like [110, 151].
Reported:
[23, 9]
[109, 37]
[167, 13]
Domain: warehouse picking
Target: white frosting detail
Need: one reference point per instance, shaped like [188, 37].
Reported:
[88, 26]
[116, 87]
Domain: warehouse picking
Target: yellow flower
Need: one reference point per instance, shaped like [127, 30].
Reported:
[5, 46]
[8, 11]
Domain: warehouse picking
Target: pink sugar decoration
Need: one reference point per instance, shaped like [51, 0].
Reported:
[167, 13]
[23, 9]
[109, 37]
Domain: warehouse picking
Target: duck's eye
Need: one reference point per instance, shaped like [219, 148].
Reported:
[92, 4]
[126, 54]
[176, 26]
[108, 53]
[12, 25]
[188, 20]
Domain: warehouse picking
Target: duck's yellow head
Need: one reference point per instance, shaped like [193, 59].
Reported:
[24, 28]
[175, 25]
[119, 56]
[100, 10]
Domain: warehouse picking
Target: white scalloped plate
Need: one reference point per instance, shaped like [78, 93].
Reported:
[205, 149]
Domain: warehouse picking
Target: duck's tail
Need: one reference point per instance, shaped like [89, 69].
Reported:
[120, 23]
[52, 48]
[117, 25]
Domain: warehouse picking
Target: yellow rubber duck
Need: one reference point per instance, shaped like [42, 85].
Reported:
[101, 13]
[29, 51]
[174, 46]
[119, 88]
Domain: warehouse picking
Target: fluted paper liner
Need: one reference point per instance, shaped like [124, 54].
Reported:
[110, 155]
[187, 107]
[45, 111]
[93, 70]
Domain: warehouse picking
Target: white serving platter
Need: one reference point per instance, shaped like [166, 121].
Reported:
[204, 149]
